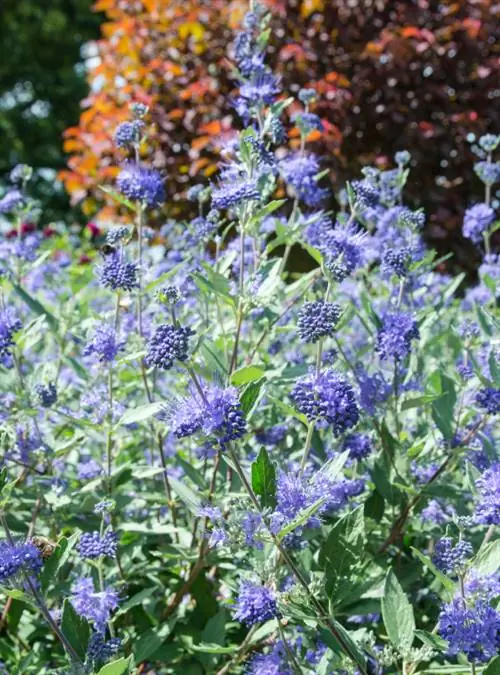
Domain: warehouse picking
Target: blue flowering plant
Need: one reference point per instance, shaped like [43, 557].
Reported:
[213, 464]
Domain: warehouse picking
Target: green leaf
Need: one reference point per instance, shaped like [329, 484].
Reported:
[75, 629]
[266, 211]
[37, 307]
[419, 401]
[137, 599]
[397, 613]
[119, 667]
[375, 506]
[246, 374]
[343, 549]
[119, 198]
[150, 641]
[327, 637]
[214, 632]
[493, 668]
[251, 396]
[300, 519]
[213, 648]
[432, 640]
[141, 413]
[487, 559]
[190, 498]
[264, 479]
[443, 407]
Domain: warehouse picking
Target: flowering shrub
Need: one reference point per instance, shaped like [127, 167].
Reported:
[212, 466]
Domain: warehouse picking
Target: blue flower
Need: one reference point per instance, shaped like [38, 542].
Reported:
[451, 558]
[128, 133]
[317, 320]
[91, 545]
[273, 663]
[168, 344]
[397, 261]
[18, 558]
[477, 219]
[139, 183]
[100, 650]
[234, 187]
[11, 201]
[299, 172]
[46, 394]
[104, 344]
[327, 397]
[488, 506]
[93, 605]
[489, 399]
[255, 604]
[359, 446]
[9, 326]
[488, 172]
[471, 630]
[118, 274]
[395, 336]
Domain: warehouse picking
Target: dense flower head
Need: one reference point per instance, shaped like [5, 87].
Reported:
[140, 183]
[402, 157]
[366, 193]
[128, 133]
[373, 390]
[117, 273]
[104, 344]
[489, 399]
[471, 630]
[273, 435]
[273, 663]
[217, 413]
[329, 397]
[116, 235]
[477, 219]
[100, 650]
[358, 445]
[255, 604]
[46, 394]
[397, 261]
[317, 320]
[11, 201]
[395, 336]
[93, 605]
[488, 172]
[449, 557]
[9, 326]
[88, 469]
[488, 505]
[307, 122]
[261, 88]
[169, 343]
[230, 192]
[436, 513]
[92, 545]
[299, 172]
[344, 250]
[18, 558]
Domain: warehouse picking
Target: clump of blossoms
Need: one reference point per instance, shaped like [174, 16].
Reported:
[212, 463]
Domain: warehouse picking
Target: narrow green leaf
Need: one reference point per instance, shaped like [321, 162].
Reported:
[487, 560]
[251, 395]
[397, 613]
[57, 560]
[209, 648]
[37, 307]
[432, 640]
[302, 518]
[493, 667]
[443, 407]
[150, 641]
[264, 479]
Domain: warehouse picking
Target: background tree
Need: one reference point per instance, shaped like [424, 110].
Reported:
[390, 75]
[42, 81]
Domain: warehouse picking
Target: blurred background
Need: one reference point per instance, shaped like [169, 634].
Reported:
[420, 75]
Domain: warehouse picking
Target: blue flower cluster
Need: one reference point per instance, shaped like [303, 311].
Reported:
[18, 558]
[118, 274]
[92, 545]
[168, 344]
[255, 604]
[451, 558]
[317, 320]
[327, 397]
